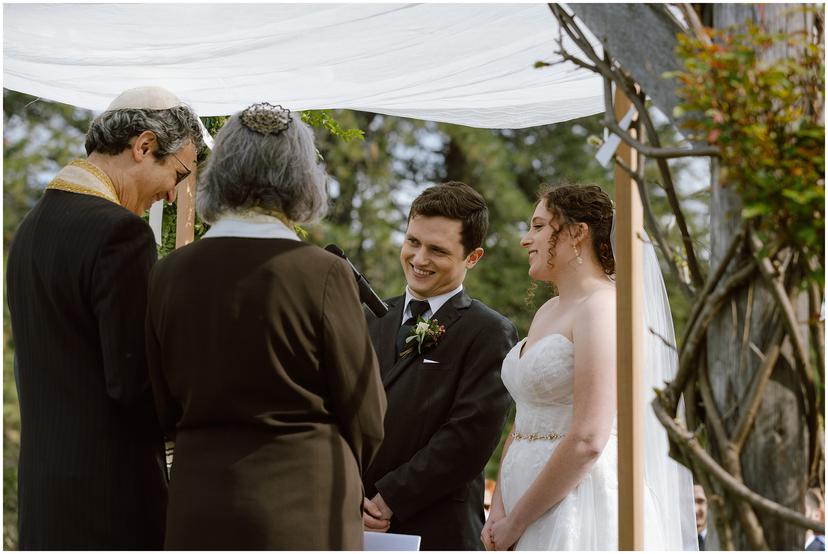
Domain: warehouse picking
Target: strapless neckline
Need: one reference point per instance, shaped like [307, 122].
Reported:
[521, 354]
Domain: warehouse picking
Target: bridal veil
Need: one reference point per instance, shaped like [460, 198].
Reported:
[668, 484]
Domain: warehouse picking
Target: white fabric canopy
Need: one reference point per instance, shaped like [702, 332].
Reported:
[459, 63]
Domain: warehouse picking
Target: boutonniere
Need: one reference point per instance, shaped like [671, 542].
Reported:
[423, 334]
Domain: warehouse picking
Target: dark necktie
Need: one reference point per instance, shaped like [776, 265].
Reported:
[418, 308]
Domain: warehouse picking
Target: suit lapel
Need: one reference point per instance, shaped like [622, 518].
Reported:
[447, 315]
[389, 324]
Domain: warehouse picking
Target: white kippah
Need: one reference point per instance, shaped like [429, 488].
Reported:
[145, 98]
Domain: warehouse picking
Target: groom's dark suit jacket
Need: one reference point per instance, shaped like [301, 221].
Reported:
[443, 422]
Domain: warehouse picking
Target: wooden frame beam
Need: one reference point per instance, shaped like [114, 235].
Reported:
[630, 346]
[185, 220]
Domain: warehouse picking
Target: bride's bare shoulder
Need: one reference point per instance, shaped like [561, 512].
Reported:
[603, 293]
[600, 300]
[548, 306]
[595, 316]
[545, 311]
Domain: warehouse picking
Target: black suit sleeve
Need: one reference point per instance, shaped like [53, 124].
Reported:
[119, 298]
[347, 354]
[168, 409]
[459, 450]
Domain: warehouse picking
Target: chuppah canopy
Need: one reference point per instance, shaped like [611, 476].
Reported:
[458, 63]
[472, 65]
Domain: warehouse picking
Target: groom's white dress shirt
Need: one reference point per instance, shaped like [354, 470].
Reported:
[434, 303]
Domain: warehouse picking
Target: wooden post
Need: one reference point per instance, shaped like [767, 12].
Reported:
[185, 220]
[630, 349]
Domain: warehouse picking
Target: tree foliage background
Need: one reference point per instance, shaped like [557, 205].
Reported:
[371, 184]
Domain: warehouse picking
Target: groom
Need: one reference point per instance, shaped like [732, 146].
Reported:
[446, 402]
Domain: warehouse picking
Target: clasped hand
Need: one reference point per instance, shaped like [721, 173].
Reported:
[500, 533]
[376, 515]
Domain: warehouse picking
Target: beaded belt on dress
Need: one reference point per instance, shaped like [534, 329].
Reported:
[536, 436]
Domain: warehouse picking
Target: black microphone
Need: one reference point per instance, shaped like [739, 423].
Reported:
[366, 293]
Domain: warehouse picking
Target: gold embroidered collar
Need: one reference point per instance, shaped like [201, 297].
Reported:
[82, 177]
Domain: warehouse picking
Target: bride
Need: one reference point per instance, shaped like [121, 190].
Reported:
[558, 486]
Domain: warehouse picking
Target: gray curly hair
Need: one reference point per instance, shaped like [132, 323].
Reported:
[277, 172]
[110, 132]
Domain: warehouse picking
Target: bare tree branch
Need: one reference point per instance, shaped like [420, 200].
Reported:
[688, 439]
[779, 293]
[655, 229]
[714, 278]
[711, 408]
[690, 413]
[659, 153]
[694, 23]
[744, 350]
[756, 390]
[817, 328]
[790, 274]
[815, 298]
[726, 538]
[567, 22]
[630, 89]
[566, 56]
[663, 339]
[651, 151]
[730, 457]
[672, 198]
[604, 67]
[698, 331]
[715, 500]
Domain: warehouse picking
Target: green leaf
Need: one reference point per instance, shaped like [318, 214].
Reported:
[324, 119]
[798, 196]
[755, 210]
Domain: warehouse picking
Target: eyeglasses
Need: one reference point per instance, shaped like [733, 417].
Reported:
[178, 175]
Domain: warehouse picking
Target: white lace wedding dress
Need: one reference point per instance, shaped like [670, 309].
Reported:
[540, 381]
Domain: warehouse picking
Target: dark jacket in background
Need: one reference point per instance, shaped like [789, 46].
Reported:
[264, 372]
[444, 421]
[817, 544]
[91, 470]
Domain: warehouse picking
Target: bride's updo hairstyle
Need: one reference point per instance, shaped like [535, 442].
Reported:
[589, 204]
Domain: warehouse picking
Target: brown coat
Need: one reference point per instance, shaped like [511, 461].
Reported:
[262, 368]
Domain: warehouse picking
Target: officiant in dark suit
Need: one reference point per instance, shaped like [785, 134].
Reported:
[91, 469]
[440, 353]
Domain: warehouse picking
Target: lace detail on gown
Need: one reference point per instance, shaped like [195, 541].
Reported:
[540, 381]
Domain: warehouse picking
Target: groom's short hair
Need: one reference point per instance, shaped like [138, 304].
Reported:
[456, 200]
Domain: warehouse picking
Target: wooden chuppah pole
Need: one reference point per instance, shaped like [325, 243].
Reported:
[630, 346]
[185, 220]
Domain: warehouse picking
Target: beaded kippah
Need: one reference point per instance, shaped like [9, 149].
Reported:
[266, 119]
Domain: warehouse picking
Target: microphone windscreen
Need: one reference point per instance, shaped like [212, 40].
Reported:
[334, 249]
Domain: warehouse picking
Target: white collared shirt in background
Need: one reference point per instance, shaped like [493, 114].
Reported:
[252, 226]
[434, 303]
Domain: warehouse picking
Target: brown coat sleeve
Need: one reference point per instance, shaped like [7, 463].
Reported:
[348, 357]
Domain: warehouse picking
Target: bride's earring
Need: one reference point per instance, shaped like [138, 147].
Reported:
[578, 259]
